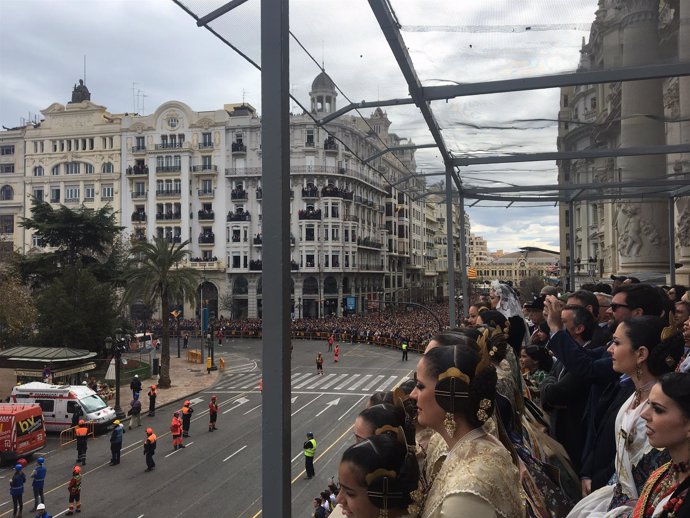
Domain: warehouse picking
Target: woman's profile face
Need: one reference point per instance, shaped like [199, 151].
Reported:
[624, 357]
[493, 299]
[353, 496]
[472, 316]
[526, 361]
[667, 426]
[429, 412]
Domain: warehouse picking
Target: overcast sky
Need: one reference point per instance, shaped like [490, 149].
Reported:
[142, 53]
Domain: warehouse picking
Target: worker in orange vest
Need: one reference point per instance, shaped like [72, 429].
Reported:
[81, 433]
[212, 414]
[74, 488]
[176, 431]
[187, 411]
[150, 449]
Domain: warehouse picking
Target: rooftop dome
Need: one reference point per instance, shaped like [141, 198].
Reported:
[323, 82]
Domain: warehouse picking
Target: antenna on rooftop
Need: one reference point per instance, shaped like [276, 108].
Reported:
[84, 68]
[134, 97]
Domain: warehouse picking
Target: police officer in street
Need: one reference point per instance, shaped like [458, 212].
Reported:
[39, 478]
[150, 449]
[404, 350]
[81, 433]
[187, 412]
[309, 452]
[116, 442]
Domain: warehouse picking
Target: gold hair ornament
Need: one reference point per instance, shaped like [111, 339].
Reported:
[484, 408]
[671, 329]
[454, 372]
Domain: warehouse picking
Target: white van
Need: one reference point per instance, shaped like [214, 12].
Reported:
[59, 402]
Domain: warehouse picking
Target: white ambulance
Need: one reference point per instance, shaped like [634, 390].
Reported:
[59, 403]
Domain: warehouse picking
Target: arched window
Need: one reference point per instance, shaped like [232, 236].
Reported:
[240, 286]
[38, 170]
[108, 167]
[310, 286]
[6, 193]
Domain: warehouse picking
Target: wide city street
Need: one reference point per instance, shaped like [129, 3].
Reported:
[218, 474]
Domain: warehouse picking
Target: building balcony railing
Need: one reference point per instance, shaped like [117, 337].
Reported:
[88, 199]
[174, 239]
[238, 194]
[309, 144]
[168, 169]
[255, 266]
[207, 239]
[329, 145]
[138, 149]
[205, 193]
[309, 214]
[138, 217]
[259, 193]
[351, 217]
[294, 266]
[335, 192]
[258, 241]
[138, 170]
[170, 145]
[205, 169]
[205, 145]
[168, 216]
[206, 215]
[137, 195]
[199, 263]
[238, 148]
[243, 171]
[312, 192]
[239, 216]
[168, 193]
[369, 243]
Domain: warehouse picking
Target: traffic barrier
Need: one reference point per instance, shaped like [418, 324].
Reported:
[67, 435]
[194, 355]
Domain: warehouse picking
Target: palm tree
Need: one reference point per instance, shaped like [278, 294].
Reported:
[154, 275]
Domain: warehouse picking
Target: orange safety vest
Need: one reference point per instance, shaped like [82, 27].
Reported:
[151, 438]
[176, 426]
[185, 409]
[81, 431]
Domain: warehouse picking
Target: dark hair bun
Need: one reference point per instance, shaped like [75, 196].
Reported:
[664, 358]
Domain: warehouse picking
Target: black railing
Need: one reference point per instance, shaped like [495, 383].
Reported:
[169, 145]
[239, 216]
[138, 149]
[138, 169]
[164, 216]
[239, 147]
[138, 216]
[168, 192]
[207, 238]
[238, 194]
[206, 214]
[204, 167]
[309, 214]
[310, 192]
[168, 168]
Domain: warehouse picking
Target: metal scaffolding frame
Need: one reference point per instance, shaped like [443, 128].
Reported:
[275, 180]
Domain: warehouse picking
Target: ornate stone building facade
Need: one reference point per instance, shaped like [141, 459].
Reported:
[627, 235]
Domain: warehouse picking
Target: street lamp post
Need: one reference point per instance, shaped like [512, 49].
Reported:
[178, 335]
[299, 307]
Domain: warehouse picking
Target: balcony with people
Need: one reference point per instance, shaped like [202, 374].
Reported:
[206, 214]
[138, 216]
[138, 169]
[310, 191]
[207, 237]
[331, 191]
[367, 242]
[255, 265]
[238, 148]
[330, 146]
[309, 213]
[239, 215]
[238, 194]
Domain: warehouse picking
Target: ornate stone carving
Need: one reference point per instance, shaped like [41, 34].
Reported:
[683, 225]
[636, 234]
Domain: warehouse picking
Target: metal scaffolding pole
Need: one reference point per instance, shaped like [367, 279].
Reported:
[463, 258]
[275, 133]
[672, 240]
[452, 319]
[571, 233]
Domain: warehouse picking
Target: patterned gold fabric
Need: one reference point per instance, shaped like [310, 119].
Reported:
[477, 465]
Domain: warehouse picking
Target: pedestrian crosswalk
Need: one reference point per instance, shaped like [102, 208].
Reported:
[312, 382]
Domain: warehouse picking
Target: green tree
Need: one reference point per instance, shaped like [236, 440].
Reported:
[154, 275]
[83, 237]
[76, 310]
[17, 311]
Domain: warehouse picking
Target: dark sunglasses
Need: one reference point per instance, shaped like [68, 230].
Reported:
[615, 306]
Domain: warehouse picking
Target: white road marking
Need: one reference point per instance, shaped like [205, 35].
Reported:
[347, 380]
[251, 410]
[293, 460]
[239, 402]
[384, 385]
[180, 449]
[292, 400]
[301, 377]
[338, 378]
[322, 380]
[305, 406]
[231, 456]
[328, 405]
[196, 401]
[353, 406]
[303, 383]
[369, 385]
[254, 382]
[359, 382]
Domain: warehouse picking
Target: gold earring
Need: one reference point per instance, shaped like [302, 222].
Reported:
[449, 423]
[383, 513]
[638, 372]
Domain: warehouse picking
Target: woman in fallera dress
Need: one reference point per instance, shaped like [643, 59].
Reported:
[667, 417]
[643, 349]
[455, 394]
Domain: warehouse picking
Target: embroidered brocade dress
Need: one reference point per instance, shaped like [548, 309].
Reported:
[635, 461]
[477, 479]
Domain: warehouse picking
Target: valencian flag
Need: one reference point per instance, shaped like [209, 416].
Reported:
[471, 273]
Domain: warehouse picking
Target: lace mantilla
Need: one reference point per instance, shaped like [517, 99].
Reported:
[479, 465]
